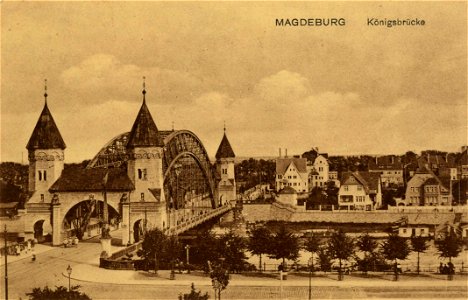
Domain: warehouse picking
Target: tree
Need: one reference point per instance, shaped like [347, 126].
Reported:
[312, 244]
[171, 252]
[59, 293]
[219, 279]
[419, 244]
[232, 248]
[284, 245]
[324, 259]
[395, 247]
[450, 246]
[153, 247]
[367, 245]
[204, 249]
[259, 241]
[194, 295]
[341, 247]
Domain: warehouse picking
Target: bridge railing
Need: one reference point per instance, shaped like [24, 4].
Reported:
[192, 222]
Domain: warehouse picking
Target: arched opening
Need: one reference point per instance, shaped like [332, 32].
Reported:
[139, 229]
[39, 231]
[87, 217]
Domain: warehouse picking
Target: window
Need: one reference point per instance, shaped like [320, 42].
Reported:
[294, 176]
[404, 230]
[42, 197]
[40, 175]
[142, 196]
[359, 187]
[320, 169]
[142, 174]
[422, 230]
[279, 176]
[45, 175]
[345, 188]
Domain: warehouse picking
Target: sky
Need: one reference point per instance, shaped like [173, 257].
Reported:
[355, 89]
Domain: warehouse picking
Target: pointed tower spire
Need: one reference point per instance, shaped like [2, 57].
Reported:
[45, 91]
[225, 149]
[144, 89]
[144, 131]
[46, 134]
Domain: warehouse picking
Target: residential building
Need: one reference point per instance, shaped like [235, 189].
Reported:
[292, 172]
[390, 168]
[317, 167]
[360, 191]
[462, 163]
[427, 189]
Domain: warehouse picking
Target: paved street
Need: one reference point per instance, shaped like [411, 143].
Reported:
[49, 269]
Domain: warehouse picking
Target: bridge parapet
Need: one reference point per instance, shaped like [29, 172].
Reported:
[197, 220]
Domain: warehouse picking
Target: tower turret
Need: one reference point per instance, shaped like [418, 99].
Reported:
[145, 148]
[225, 166]
[45, 152]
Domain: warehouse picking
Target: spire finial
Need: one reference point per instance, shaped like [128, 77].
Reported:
[224, 126]
[172, 125]
[45, 90]
[144, 88]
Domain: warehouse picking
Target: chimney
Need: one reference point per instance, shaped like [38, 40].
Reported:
[280, 152]
[286, 152]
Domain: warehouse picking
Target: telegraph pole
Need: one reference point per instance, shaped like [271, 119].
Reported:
[6, 265]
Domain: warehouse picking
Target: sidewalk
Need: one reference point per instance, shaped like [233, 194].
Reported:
[38, 248]
[92, 273]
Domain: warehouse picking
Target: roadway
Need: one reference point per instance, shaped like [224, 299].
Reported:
[50, 267]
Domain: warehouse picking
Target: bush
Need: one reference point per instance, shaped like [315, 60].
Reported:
[59, 293]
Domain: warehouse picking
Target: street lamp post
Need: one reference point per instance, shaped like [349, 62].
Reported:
[6, 264]
[310, 263]
[187, 252]
[69, 271]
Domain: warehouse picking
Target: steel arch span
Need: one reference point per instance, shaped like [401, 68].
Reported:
[187, 169]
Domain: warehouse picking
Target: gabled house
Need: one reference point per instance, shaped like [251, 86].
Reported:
[292, 172]
[360, 191]
[317, 167]
[428, 189]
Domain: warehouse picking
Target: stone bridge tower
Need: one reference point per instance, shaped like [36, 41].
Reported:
[46, 161]
[225, 167]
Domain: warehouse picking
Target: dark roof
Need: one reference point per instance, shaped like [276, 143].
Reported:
[388, 162]
[225, 149]
[369, 180]
[463, 158]
[283, 163]
[431, 181]
[287, 190]
[144, 132]
[76, 179]
[156, 194]
[46, 134]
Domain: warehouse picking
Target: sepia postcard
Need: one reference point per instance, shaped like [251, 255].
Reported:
[234, 150]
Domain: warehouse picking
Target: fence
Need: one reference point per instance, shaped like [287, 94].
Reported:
[460, 268]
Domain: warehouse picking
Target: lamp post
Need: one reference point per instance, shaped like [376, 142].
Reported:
[6, 264]
[69, 271]
[310, 264]
[187, 252]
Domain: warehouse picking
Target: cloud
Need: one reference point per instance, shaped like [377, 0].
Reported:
[102, 77]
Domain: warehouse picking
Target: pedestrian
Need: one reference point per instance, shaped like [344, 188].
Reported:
[451, 268]
[33, 257]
